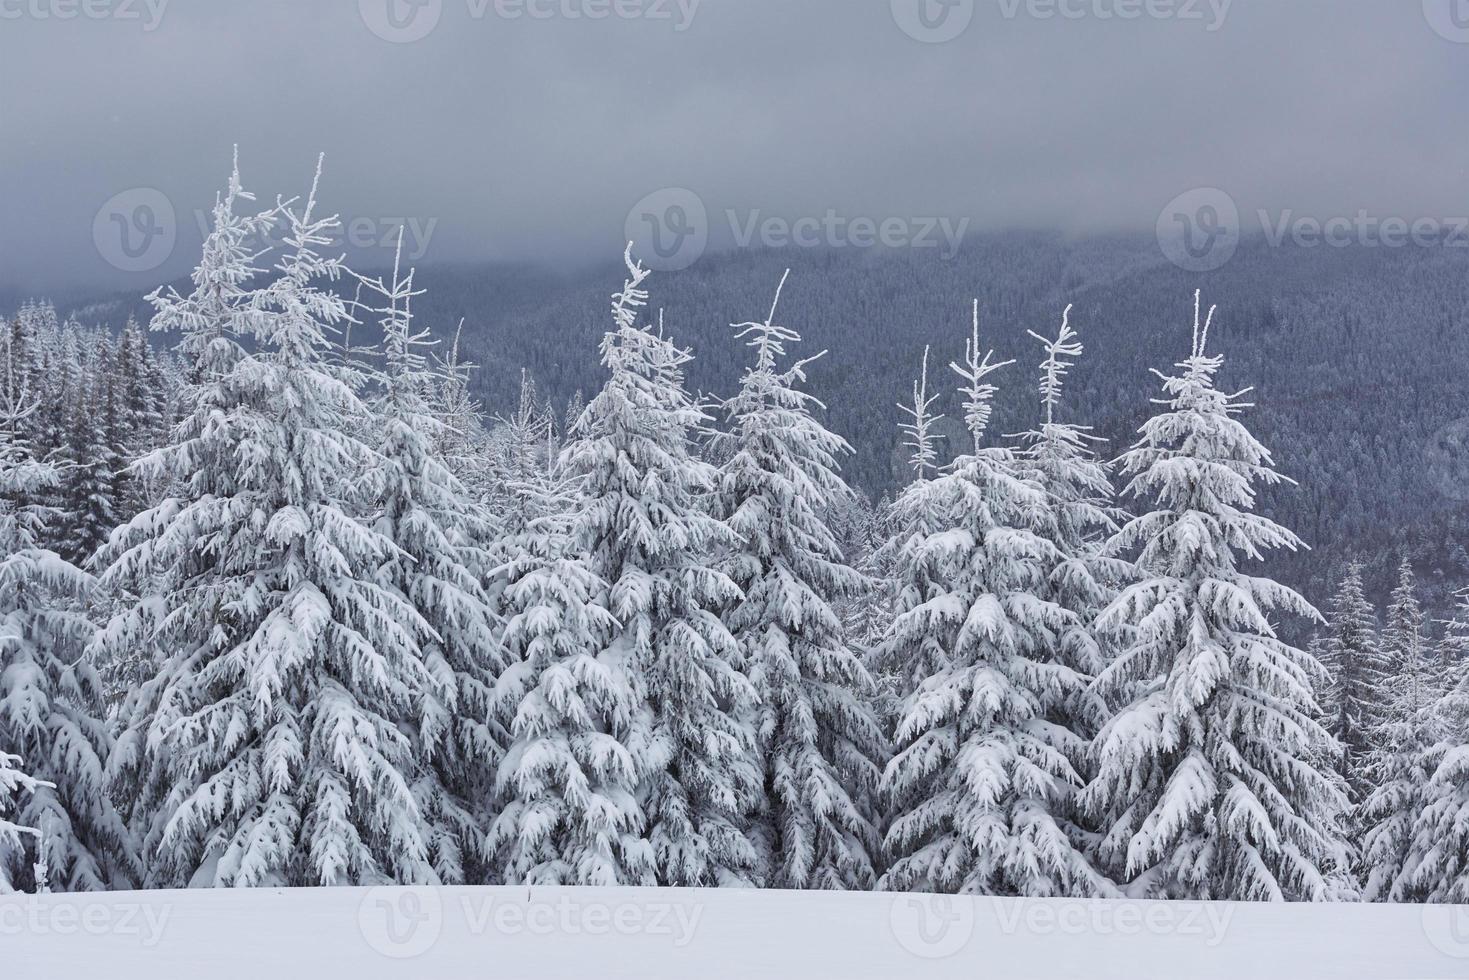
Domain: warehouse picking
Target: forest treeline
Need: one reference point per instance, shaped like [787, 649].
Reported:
[283, 605]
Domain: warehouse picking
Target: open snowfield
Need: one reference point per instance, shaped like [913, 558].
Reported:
[360, 934]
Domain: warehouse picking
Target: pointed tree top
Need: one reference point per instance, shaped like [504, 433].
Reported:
[979, 393]
[918, 430]
[1060, 353]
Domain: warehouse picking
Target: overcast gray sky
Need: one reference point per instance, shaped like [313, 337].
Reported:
[528, 129]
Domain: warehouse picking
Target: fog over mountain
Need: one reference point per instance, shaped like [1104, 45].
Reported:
[529, 129]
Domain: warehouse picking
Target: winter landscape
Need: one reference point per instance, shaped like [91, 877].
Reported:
[727, 592]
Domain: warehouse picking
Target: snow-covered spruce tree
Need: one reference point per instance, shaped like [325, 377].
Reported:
[438, 565]
[645, 531]
[462, 442]
[901, 660]
[50, 696]
[1453, 645]
[1405, 641]
[1402, 760]
[982, 778]
[274, 745]
[1354, 703]
[820, 744]
[1436, 866]
[569, 810]
[1079, 520]
[211, 322]
[92, 463]
[1206, 786]
[523, 452]
[138, 415]
[13, 837]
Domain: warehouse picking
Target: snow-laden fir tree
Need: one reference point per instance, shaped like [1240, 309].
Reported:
[1401, 763]
[1080, 519]
[1436, 868]
[982, 778]
[900, 661]
[1453, 644]
[818, 741]
[1405, 640]
[461, 438]
[438, 565]
[138, 414]
[92, 462]
[274, 746]
[1354, 704]
[646, 532]
[50, 695]
[569, 810]
[523, 451]
[13, 837]
[1206, 786]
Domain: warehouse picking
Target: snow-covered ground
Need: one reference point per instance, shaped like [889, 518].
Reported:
[356, 934]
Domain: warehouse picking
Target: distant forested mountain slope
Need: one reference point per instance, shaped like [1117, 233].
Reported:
[1359, 359]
